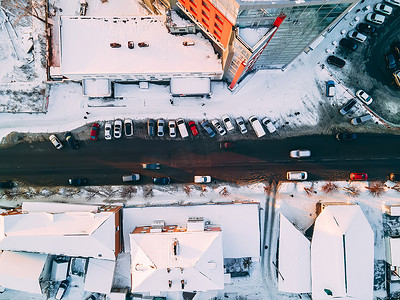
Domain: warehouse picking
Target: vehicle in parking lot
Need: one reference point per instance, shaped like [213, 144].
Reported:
[74, 144]
[160, 127]
[172, 128]
[161, 180]
[348, 106]
[128, 126]
[296, 175]
[77, 181]
[396, 76]
[269, 125]
[151, 125]
[358, 176]
[375, 18]
[383, 9]
[228, 123]
[182, 128]
[94, 296]
[202, 179]
[330, 88]
[107, 131]
[226, 145]
[336, 61]
[131, 177]
[346, 136]
[390, 61]
[257, 127]
[359, 120]
[300, 153]
[364, 97]
[61, 289]
[55, 141]
[6, 184]
[151, 166]
[241, 125]
[193, 128]
[394, 177]
[117, 128]
[221, 130]
[393, 2]
[206, 126]
[365, 28]
[348, 44]
[94, 132]
[359, 37]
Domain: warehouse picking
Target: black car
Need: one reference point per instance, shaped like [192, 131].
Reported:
[161, 180]
[6, 184]
[151, 125]
[346, 136]
[71, 140]
[366, 28]
[336, 61]
[348, 44]
[77, 181]
[394, 177]
[349, 105]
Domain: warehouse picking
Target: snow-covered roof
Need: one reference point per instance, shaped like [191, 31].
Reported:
[99, 275]
[342, 254]
[21, 271]
[197, 261]
[85, 47]
[294, 259]
[239, 224]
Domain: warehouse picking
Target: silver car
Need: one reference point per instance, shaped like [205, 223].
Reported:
[241, 125]
[172, 128]
[117, 129]
[219, 127]
[160, 127]
[56, 142]
[296, 175]
[228, 123]
[107, 131]
[359, 120]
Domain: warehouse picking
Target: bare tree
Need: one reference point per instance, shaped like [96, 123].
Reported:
[128, 191]
[329, 188]
[352, 191]
[29, 8]
[376, 189]
[148, 192]
[224, 192]
[203, 190]
[187, 189]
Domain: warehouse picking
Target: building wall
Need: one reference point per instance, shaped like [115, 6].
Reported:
[118, 232]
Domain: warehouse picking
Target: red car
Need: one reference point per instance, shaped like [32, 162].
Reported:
[358, 176]
[193, 128]
[94, 133]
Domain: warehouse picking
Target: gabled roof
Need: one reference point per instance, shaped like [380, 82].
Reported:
[99, 275]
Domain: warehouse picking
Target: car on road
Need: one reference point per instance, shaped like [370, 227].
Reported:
[366, 28]
[206, 126]
[6, 184]
[336, 61]
[182, 128]
[241, 125]
[77, 181]
[390, 61]
[94, 132]
[396, 76]
[72, 142]
[348, 107]
[394, 177]
[221, 130]
[346, 136]
[151, 166]
[330, 88]
[172, 128]
[269, 125]
[55, 141]
[161, 180]
[151, 125]
[393, 2]
[228, 123]
[107, 131]
[359, 37]
[61, 289]
[358, 176]
[359, 120]
[348, 44]
[375, 18]
[160, 127]
[202, 179]
[296, 175]
[300, 153]
[257, 127]
[128, 126]
[193, 128]
[117, 129]
[364, 97]
[226, 145]
[383, 9]
[131, 177]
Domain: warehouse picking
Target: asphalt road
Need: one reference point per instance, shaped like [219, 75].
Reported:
[105, 162]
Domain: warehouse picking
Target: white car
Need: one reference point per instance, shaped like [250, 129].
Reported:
[359, 120]
[300, 153]
[241, 125]
[128, 125]
[202, 179]
[132, 177]
[172, 128]
[364, 97]
[270, 126]
[359, 37]
[219, 127]
[393, 2]
[117, 129]
[375, 18]
[383, 9]
[296, 175]
[107, 131]
[228, 123]
[160, 127]
[56, 142]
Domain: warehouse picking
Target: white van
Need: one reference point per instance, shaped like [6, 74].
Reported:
[182, 128]
[256, 124]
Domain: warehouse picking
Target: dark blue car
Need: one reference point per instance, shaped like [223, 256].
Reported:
[161, 180]
[391, 62]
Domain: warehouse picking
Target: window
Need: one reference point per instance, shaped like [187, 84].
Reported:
[218, 18]
[193, 3]
[204, 22]
[218, 27]
[205, 5]
[205, 14]
[217, 34]
[193, 11]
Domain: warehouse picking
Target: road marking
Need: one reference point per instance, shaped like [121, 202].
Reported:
[282, 160]
[381, 158]
[329, 159]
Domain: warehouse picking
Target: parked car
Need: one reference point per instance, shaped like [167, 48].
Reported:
[346, 136]
[221, 130]
[206, 126]
[107, 131]
[193, 128]
[300, 153]
[77, 181]
[383, 9]
[172, 128]
[269, 125]
[151, 124]
[364, 97]
[396, 76]
[390, 61]
[55, 141]
[394, 177]
[226, 145]
[151, 166]
[336, 61]
[228, 123]
[348, 44]
[61, 290]
[202, 179]
[330, 88]
[128, 126]
[161, 180]
[375, 18]
[358, 176]
[160, 127]
[94, 132]
[6, 184]
[131, 177]
[365, 28]
[94, 296]
[393, 2]
[182, 128]
[296, 175]
[71, 141]
[241, 125]
[359, 37]
[117, 128]
[348, 106]
[359, 120]
[257, 127]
